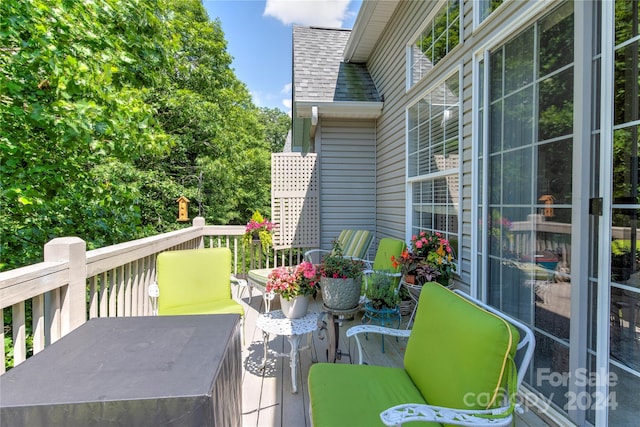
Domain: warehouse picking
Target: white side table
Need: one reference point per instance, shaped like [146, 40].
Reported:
[274, 322]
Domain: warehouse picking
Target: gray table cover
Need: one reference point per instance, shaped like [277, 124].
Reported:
[135, 371]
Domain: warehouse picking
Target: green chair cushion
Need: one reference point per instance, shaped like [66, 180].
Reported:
[206, 307]
[195, 281]
[355, 243]
[458, 351]
[259, 277]
[354, 395]
[387, 248]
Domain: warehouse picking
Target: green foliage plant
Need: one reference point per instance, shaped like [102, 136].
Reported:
[381, 291]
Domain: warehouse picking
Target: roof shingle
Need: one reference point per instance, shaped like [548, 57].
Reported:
[319, 72]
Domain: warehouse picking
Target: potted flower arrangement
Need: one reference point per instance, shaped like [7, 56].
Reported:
[408, 264]
[430, 258]
[340, 280]
[259, 228]
[294, 285]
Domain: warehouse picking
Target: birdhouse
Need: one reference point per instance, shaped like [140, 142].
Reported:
[548, 201]
[183, 209]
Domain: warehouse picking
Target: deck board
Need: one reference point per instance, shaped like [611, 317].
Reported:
[268, 400]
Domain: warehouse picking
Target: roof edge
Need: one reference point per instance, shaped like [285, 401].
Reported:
[340, 109]
[363, 29]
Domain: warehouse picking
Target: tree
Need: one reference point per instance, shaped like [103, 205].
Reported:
[277, 125]
[109, 111]
[210, 116]
[72, 79]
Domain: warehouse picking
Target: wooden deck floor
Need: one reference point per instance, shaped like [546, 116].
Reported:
[268, 400]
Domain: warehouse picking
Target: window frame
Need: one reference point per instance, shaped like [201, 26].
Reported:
[478, 21]
[441, 4]
[410, 181]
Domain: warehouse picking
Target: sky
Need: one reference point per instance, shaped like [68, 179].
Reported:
[258, 34]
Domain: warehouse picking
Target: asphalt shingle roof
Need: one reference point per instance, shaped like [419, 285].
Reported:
[319, 72]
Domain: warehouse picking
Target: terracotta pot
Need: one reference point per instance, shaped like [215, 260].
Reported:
[409, 278]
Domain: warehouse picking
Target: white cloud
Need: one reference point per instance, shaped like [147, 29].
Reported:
[287, 104]
[286, 88]
[325, 13]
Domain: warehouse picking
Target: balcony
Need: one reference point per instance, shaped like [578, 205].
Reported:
[73, 285]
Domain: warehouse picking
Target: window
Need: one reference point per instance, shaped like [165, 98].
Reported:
[433, 125]
[527, 158]
[485, 7]
[438, 38]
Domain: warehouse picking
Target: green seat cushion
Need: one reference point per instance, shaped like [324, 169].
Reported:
[354, 395]
[259, 277]
[195, 281]
[206, 307]
[458, 351]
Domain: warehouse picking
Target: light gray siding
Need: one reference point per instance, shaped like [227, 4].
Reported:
[387, 66]
[347, 175]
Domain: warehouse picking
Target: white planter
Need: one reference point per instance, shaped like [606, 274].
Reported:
[296, 308]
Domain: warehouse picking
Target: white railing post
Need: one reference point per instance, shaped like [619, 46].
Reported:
[199, 222]
[72, 300]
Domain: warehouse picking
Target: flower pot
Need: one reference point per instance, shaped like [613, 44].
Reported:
[409, 278]
[340, 294]
[296, 308]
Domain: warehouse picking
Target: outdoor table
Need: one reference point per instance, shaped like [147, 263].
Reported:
[274, 322]
[132, 371]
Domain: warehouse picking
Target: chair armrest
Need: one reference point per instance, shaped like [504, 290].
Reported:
[239, 282]
[368, 264]
[354, 331]
[386, 273]
[154, 290]
[397, 415]
[154, 293]
[308, 255]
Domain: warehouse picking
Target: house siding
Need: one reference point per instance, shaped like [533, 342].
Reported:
[347, 168]
[387, 66]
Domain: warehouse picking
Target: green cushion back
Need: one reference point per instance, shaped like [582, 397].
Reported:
[195, 281]
[457, 348]
[355, 243]
[386, 248]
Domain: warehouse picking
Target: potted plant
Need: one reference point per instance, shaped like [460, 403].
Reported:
[434, 251]
[408, 264]
[294, 285]
[340, 280]
[260, 229]
[382, 292]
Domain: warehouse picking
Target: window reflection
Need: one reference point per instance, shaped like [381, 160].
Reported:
[528, 219]
[439, 37]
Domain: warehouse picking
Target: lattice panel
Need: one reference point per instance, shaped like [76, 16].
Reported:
[295, 200]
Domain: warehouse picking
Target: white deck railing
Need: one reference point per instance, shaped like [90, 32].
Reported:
[73, 284]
